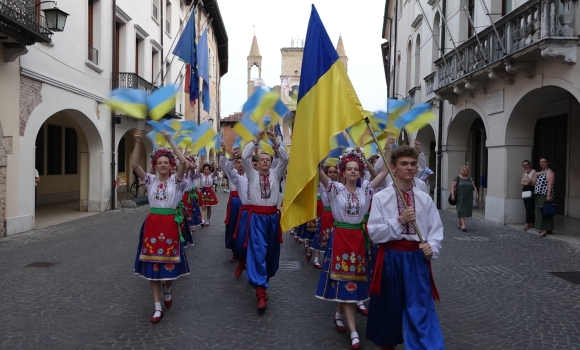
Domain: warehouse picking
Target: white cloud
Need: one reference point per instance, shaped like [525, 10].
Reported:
[277, 22]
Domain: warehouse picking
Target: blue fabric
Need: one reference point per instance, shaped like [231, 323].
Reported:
[318, 51]
[240, 252]
[316, 241]
[263, 249]
[203, 69]
[186, 49]
[341, 291]
[308, 234]
[373, 250]
[235, 204]
[195, 214]
[157, 271]
[300, 231]
[404, 310]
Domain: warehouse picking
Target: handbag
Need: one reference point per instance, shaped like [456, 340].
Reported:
[548, 210]
[453, 201]
[526, 194]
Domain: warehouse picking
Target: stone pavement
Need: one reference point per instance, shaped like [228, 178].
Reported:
[496, 292]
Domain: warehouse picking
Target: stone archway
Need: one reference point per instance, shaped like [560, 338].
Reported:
[428, 141]
[466, 145]
[543, 124]
[74, 179]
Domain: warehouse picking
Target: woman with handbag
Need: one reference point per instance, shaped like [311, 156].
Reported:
[462, 189]
[528, 194]
[544, 182]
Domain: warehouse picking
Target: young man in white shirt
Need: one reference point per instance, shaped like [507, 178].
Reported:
[402, 289]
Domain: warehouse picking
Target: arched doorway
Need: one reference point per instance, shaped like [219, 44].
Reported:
[127, 183]
[544, 125]
[466, 145]
[426, 136]
[66, 149]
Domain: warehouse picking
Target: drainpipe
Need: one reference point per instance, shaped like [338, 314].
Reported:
[113, 123]
[440, 129]
[394, 50]
[162, 64]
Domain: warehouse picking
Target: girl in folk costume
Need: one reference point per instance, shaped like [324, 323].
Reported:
[343, 278]
[236, 174]
[159, 255]
[402, 289]
[326, 220]
[234, 202]
[208, 197]
[191, 211]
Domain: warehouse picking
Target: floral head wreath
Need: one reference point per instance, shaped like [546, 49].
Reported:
[351, 156]
[206, 164]
[163, 152]
[189, 158]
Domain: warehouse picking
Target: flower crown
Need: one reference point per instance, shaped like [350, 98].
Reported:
[189, 158]
[163, 152]
[351, 156]
[206, 164]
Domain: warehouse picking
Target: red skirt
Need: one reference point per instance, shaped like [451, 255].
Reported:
[207, 197]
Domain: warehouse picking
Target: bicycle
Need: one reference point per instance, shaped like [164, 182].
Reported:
[137, 189]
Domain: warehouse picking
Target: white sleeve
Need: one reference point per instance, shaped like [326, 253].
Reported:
[231, 172]
[247, 160]
[435, 234]
[381, 227]
[283, 163]
[422, 161]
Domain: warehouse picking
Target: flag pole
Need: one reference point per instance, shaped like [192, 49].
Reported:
[398, 189]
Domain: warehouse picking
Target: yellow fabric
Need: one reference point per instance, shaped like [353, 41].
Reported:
[329, 107]
[134, 110]
[420, 122]
[244, 133]
[162, 109]
[203, 141]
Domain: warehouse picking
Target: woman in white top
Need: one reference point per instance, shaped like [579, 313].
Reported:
[208, 197]
[528, 187]
[344, 275]
[160, 255]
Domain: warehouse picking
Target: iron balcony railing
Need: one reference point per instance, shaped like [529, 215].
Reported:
[20, 21]
[125, 80]
[93, 55]
[533, 22]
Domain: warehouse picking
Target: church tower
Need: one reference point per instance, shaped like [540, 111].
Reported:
[341, 52]
[254, 59]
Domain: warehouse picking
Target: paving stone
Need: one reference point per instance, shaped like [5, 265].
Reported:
[496, 292]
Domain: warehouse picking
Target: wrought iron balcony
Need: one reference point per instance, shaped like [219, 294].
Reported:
[429, 86]
[133, 81]
[538, 28]
[21, 24]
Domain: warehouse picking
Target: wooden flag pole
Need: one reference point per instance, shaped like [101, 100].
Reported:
[382, 153]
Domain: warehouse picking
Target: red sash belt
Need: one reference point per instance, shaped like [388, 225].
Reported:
[233, 194]
[262, 210]
[404, 246]
[319, 208]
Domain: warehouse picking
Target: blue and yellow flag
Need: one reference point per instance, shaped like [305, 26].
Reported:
[327, 104]
[161, 102]
[131, 102]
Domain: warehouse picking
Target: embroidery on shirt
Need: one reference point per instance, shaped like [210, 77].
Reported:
[161, 192]
[265, 191]
[353, 203]
[409, 195]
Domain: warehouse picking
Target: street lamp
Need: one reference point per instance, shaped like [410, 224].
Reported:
[55, 18]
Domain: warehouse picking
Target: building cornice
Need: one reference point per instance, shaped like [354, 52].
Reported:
[141, 32]
[59, 84]
[417, 21]
[156, 45]
[123, 16]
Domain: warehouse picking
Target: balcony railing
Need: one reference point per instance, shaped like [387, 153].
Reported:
[429, 87]
[538, 24]
[93, 55]
[20, 21]
[133, 81]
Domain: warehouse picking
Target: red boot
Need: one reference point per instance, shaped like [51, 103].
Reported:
[241, 266]
[262, 297]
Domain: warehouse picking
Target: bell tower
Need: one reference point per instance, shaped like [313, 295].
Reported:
[254, 59]
[341, 53]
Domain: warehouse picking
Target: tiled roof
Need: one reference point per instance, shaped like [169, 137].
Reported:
[232, 118]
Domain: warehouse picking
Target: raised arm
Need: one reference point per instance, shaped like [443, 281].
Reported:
[376, 182]
[323, 178]
[138, 135]
[178, 154]
[281, 155]
[247, 153]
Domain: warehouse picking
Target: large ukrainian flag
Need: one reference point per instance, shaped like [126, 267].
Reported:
[327, 104]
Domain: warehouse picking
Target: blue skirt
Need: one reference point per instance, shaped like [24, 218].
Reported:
[300, 231]
[339, 291]
[159, 271]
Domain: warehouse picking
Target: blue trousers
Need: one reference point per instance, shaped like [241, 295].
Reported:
[405, 302]
[263, 249]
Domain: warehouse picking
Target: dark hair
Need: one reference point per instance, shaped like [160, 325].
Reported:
[254, 159]
[207, 165]
[546, 158]
[403, 151]
[527, 161]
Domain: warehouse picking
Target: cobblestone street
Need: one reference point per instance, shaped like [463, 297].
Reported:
[496, 292]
